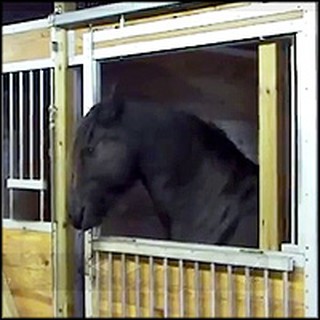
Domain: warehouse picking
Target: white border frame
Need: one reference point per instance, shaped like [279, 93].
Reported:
[306, 96]
[234, 256]
[252, 10]
[25, 26]
[307, 155]
[27, 184]
[91, 95]
[194, 40]
[244, 11]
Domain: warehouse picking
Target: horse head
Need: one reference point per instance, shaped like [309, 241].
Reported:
[103, 163]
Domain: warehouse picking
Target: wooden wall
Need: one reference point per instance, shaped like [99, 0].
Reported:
[222, 295]
[21, 46]
[26, 260]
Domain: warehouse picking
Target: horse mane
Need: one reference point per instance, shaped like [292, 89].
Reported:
[215, 138]
[84, 132]
[212, 137]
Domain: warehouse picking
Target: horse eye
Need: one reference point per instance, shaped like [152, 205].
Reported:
[89, 150]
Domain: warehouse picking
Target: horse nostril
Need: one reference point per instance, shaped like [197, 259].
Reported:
[81, 213]
[77, 218]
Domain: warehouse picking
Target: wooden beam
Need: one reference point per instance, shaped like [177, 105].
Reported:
[9, 309]
[268, 148]
[63, 245]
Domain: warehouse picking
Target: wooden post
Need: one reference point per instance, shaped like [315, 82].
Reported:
[62, 237]
[268, 148]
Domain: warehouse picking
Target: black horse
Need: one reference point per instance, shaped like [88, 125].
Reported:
[203, 188]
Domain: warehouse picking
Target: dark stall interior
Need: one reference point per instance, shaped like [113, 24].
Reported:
[218, 84]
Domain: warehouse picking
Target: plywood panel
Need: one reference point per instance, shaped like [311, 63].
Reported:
[158, 17]
[229, 296]
[197, 30]
[21, 46]
[26, 46]
[27, 265]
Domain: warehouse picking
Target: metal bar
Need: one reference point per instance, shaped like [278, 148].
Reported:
[110, 287]
[137, 289]
[247, 291]
[263, 259]
[165, 288]
[197, 289]
[25, 26]
[307, 161]
[21, 125]
[285, 294]
[31, 129]
[151, 287]
[51, 142]
[213, 289]
[27, 225]
[4, 147]
[230, 291]
[181, 288]
[11, 144]
[26, 184]
[41, 133]
[88, 73]
[36, 64]
[90, 16]
[123, 286]
[71, 43]
[293, 155]
[92, 74]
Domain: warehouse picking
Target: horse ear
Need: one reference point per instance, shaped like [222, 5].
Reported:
[112, 105]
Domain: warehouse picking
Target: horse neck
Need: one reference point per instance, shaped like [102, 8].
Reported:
[173, 196]
[203, 189]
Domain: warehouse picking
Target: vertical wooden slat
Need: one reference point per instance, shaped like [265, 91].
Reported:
[197, 290]
[268, 138]
[151, 287]
[165, 288]
[96, 285]
[110, 286]
[266, 293]
[123, 286]
[181, 288]
[285, 294]
[247, 292]
[213, 289]
[137, 285]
